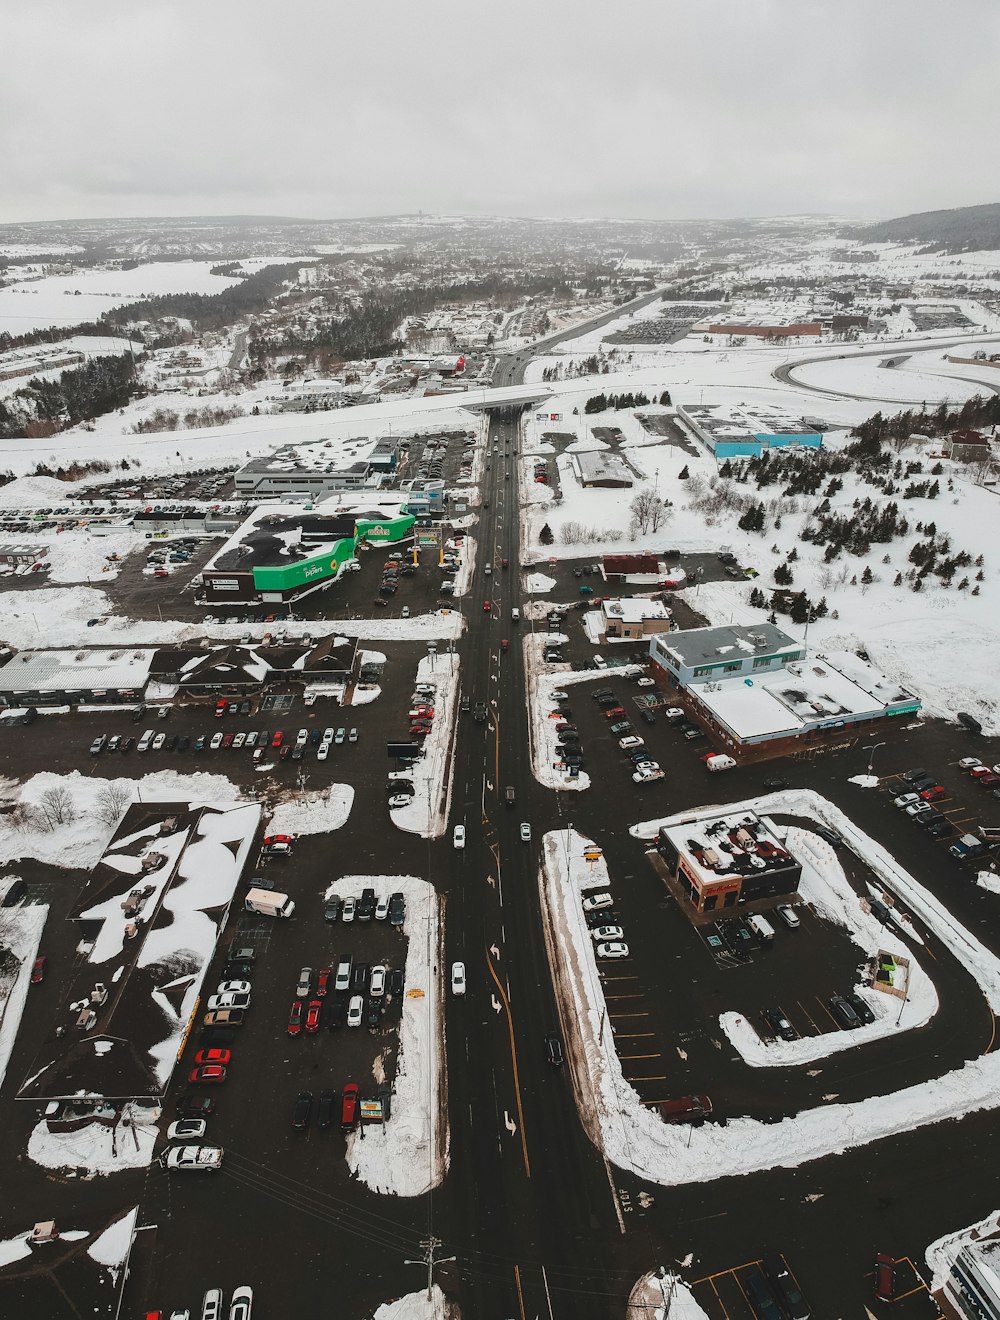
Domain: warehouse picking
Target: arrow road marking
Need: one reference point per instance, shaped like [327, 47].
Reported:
[509, 1123]
[495, 951]
[497, 1006]
[491, 880]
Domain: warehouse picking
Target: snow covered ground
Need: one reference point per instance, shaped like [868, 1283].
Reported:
[662, 1296]
[313, 813]
[58, 300]
[96, 1148]
[426, 813]
[409, 1154]
[634, 1138]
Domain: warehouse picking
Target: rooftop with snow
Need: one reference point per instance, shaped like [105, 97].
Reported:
[149, 916]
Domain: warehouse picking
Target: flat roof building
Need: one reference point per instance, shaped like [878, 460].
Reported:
[58, 678]
[742, 431]
[726, 860]
[634, 617]
[597, 467]
[319, 469]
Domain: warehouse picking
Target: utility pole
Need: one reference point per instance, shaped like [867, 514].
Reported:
[430, 1245]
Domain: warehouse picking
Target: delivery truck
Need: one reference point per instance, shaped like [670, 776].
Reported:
[268, 903]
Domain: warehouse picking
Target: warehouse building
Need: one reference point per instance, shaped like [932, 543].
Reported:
[739, 431]
[16, 556]
[75, 677]
[318, 470]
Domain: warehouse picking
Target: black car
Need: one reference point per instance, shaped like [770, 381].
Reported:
[336, 1011]
[332, 910]
[603, 692]
[940, 829]
[479, 714]
[790, 1298]
[366, 905]
[324, 1109]
[911, 776]
[843, 1013]
[928, 818]
[302, 1112]
[830, 836]
[779, 1024]
[171, 744]
[237, 970]
[395, 786]
[774, 785]
[762, 1299]
[195, 1106]
[647, 715]
[397, 909]
[396, 981]
[314, 737]
[183, 743]
[553, 1051]
[925, 781]
[862, 1009]
[373, 1013]
[244, 707]
[137, 714]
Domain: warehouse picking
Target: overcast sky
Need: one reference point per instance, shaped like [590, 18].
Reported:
[554, 107]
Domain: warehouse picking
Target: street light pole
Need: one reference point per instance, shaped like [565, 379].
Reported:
[872, 750]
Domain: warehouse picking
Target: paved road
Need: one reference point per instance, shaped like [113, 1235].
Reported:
[784, 373]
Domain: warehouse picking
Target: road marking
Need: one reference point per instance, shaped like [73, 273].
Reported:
[495, 951]
[626, 1057]
[497, 1006]
[520, 1297]
[548, 1299]
[647, 1079]
[513, 1057]
[632, 1035]
[509, 1123]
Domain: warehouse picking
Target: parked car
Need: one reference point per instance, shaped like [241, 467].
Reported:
[458, 978]
[302, 1113]
[38, 969]
[843, 1014]
[861, 1007]
[314, 1014]
[613, 949]
[553, 1051]
[355, 1011]
[779, 1024]
[607, 932]
[594, 902]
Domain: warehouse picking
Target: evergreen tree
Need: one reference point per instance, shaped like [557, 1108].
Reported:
[545, 535]
[783, 575]
[867, 576]
[684, 474]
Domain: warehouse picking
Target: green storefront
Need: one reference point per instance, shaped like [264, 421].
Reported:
[282, 582]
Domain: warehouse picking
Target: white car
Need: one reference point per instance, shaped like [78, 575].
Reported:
[525, 832]
[616, 949]
[228, 1001]
[648, 774]
[241, 1303]
[355, 1010]
[158, 741]
[645, 682]
[251, 739]
[603, 933]
[302, 737]
[967, 762]
[674, 713]
[327, 736]
[197, 1159]
[216, 742]
[458, 836]
[402, 800]
[382, 911]
[458, 978]
[376, 986]
[238, 741]
[594, 902]
[404, 613]
[631, 741]
[233, 988]
[348, 910]
[905, 799]
[322, 751]
[304, 988]
[559, 696]
[186, 1129]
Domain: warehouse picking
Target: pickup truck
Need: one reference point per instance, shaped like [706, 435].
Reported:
[967, 846]
[194, 1159]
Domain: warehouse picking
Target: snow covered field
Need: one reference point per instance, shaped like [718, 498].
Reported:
[21, 933]
[418, 1306]
[409, 1154]
[97, 1148]
[59, 300]
[634, 1138]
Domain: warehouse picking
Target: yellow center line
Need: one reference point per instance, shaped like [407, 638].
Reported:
[632, 1035]
[513, 1057]
[616, 1016]
[520, 1296]
[625, 1057]
[647, 1079]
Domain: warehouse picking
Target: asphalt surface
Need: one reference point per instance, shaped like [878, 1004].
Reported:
[538, 1223]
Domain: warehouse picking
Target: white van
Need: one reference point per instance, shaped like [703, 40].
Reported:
[143, 744]
[720, 762]
[515, 615]
[761, 927]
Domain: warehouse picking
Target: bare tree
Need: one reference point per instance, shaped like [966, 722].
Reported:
[112, 802]
[55, 807]
[649, 513]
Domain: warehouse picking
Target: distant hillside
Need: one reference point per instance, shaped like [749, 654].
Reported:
[963, 229]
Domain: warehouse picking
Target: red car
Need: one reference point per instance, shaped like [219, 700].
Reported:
[505, 645]
[278, 739]
[933, 793]
[210, 1074]
[487, 607]
[323, 981]
[419, 731]
[421, 712]
[349, 1107]
[278, 838]
[38, 969]
[295, 1018]
[220, 709]
[977, 771]
[615, 713]
[214, 1056]
[313, 1014]
[885, 1278]
[988, 781]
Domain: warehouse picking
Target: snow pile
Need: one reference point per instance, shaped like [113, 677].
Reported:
[941, 1254]
[410, 1154]
[313, 813]
[662, 1296]
[22, 934]
[463, 578]
[97, 1148]
[417, 1306]
[426, 813]
[535, 584]
[634, 1138]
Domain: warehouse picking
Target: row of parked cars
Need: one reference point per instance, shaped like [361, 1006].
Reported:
[644, 766]
[213, 1307]
[608, 935]
[258, 740]
[314, 1007]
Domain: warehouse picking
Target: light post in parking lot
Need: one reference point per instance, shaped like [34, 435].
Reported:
[872, 750]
